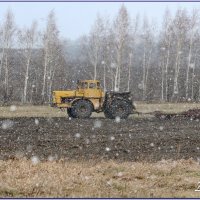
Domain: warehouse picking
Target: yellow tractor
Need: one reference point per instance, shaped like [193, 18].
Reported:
[89, 97]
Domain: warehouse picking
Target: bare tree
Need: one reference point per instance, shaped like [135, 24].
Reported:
[27, 39]
[180, 26]
[147, 37]
[96, 44]
[121, 30]
[165, 49]
[8, 31]
[52, 53]
[193, 23]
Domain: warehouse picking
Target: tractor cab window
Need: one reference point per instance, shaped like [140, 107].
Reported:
[98, 85]
[84, 85]
[92, 86]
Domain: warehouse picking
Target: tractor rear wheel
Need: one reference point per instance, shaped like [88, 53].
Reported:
[107, 113]
[118, 108]
[81, 109]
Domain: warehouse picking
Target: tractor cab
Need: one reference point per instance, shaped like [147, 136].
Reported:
[90, 88]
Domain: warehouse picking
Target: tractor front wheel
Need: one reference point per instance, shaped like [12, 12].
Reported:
[81, 109]
[70, 114]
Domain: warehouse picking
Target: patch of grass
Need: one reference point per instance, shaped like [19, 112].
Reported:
[47, 111]
[21, 178]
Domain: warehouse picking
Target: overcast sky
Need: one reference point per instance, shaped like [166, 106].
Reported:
[75, 19]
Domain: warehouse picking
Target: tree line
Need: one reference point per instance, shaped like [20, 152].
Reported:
[154, 62]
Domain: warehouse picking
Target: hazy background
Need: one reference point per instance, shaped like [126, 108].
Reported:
[75, 19]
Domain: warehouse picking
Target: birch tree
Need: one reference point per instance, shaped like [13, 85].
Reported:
[52, 53]
[193, 23]
[96, 44]
[147, 37]
[121, 30]
[8, 31]
[165, 49]
[27, 40]
[180, 24]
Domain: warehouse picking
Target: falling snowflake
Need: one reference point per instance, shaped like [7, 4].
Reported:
[140, 86]
[87, 141]
[117, 119]
[13, 108]
[77, 135]
[119, 174]
[7, 124]
[70, 118]
[36, 121]
[50, 158]
[109, 183]
[112, 138]
[35, 160]
[152, 144]
[107, 149]
[161, 128]
[97, 124]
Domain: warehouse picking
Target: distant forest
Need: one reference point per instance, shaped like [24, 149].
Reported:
[154, 62]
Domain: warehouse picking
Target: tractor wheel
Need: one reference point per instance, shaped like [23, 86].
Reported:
[70, 114]
[120, 108]
[81, 109]
[107, 113]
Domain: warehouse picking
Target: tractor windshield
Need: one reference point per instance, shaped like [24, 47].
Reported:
[92, 85]
[84, 85]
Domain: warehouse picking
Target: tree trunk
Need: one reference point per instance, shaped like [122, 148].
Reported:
[188, 67]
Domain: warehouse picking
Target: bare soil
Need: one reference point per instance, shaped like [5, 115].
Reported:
[134, 139]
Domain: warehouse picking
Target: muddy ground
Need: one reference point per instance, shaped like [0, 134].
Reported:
[135, 139]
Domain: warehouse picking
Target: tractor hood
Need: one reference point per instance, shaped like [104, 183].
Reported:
[65, 93]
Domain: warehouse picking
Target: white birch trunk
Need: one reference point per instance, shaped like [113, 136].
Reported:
[188, 67]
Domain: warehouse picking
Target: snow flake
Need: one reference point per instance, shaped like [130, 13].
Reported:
[113, 65]
[119, 174]
[77, 135]
[140, 86]
[50, 158]
[97, 124]
[35, 160]
[192, 65]
[87, 141]
[112, 138]
[7, 124]
[117, 119]
[161, 128]
[107, 149]
[13, 108]
[152, 144]
[109, 183]
[36, 121]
